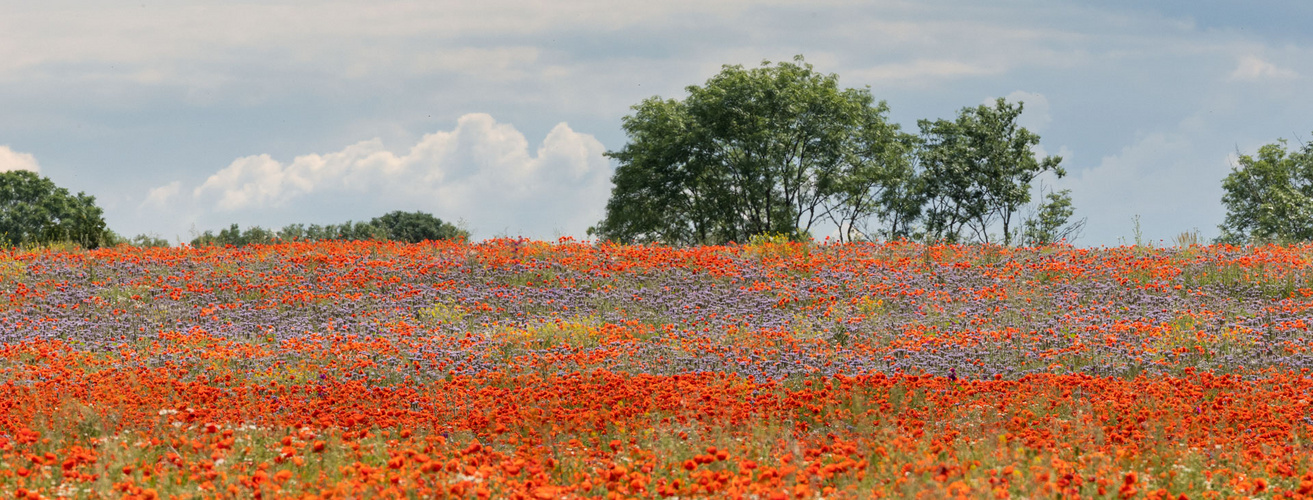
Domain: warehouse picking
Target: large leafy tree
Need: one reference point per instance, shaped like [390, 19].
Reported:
[33, 210]
[877, 180]
[977, 172]
[1269, 197]
[773, 149]
[414, 227]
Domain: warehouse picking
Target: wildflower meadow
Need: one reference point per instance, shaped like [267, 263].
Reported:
[512, 368]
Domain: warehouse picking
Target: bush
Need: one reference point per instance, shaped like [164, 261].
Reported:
[414, 227]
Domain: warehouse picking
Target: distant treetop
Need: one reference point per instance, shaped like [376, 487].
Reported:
[409, 227]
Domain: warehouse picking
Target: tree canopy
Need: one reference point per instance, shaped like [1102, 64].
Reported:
[1269, 196]
[979, 168]
[777, 149]
[33, 210]
[772, 149]
[414, 227]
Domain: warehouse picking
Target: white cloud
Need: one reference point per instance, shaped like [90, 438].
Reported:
[162, 196]
[13, 160]
[1252, 68]
[481, 171]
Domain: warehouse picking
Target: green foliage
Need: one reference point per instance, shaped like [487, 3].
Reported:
[256, 235]
[234, 236]
[33, 211]
[977, 171]
[410, 227]
[877, 179]
[1049, 223]
[767, 150]
[112, 239]
[775, 149]
[347, 231]
[1269, 197]
[414, 227]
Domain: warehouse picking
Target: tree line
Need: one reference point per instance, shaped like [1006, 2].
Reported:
[34, 212]
[408, 227]
[781, 149]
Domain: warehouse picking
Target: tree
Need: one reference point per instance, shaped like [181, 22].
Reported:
[877, 179]
[768, 150]
[414, 227]
[352, 231]
[1269, 198]
[254, 235]
[977, 171]
[33, 210]
[663, 191]
[1049, 223]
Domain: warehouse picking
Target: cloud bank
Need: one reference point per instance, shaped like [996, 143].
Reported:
[481, 172]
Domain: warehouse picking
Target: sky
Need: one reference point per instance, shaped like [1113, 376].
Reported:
[186, 116]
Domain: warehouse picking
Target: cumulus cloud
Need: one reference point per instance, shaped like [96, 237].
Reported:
[1252, 68]
[481, 171]
[13, 160]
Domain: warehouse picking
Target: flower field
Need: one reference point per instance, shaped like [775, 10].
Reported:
[523, 369]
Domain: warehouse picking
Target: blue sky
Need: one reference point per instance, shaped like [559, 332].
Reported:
[184, 116]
